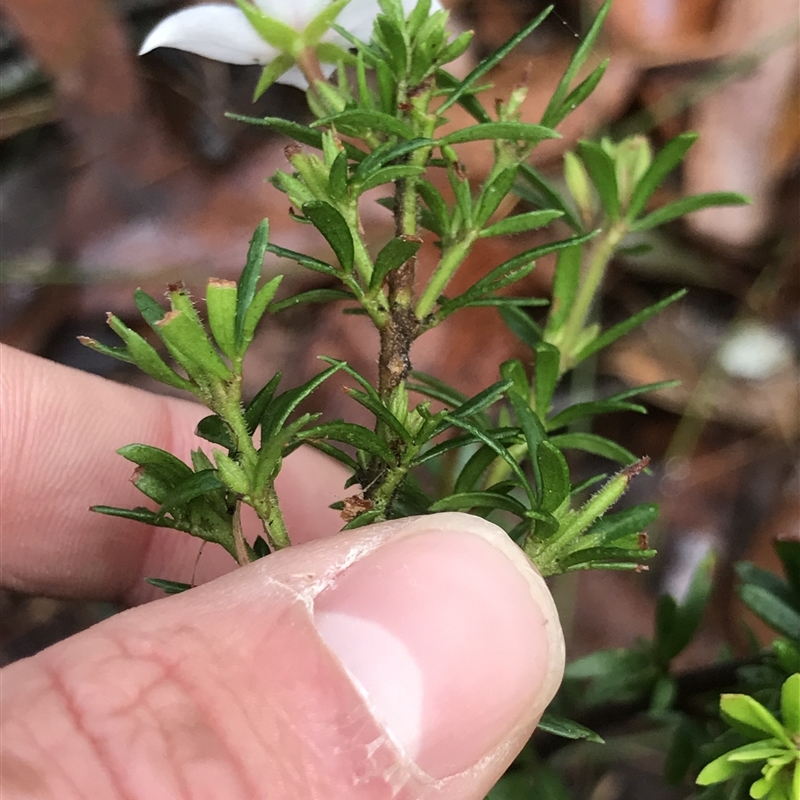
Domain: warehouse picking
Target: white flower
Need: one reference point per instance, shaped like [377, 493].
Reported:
[224, 33]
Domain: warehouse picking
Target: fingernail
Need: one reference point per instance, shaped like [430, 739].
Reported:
[450, 636]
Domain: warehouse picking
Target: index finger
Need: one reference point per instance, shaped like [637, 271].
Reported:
[59, 430]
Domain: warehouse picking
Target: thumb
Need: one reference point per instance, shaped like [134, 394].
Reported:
[410, 659]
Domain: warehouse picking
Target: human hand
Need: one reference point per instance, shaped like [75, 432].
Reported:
[410, 659]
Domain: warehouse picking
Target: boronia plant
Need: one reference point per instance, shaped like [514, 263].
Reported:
[376, 81]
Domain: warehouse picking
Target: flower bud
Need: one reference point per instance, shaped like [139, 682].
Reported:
[577, 179]
[632, 160]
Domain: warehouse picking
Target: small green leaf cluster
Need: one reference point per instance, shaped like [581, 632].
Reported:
[611, 184]
[759, 756]
[203, 500]
[643, 675]
[773, 744]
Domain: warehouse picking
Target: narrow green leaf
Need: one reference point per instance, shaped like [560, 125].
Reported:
[389, 175]
[687, 205]
[169, 587]
[144, 455]
[386, 153]
[521, 325]
[789, 553]
[271, 72]
[303, 260]
[555, 111]
[365, 94]
[330, 53]
[489, 63]
[752, 575]
[394, 43]
[254, 411]
[601, 170]
[437, 390]
[510, 131]
[718, 771]
[145, 356]
[560, 726]
[664, 162]
[501, 301]
[757, 751]
[546, 373]
[273, 31]
[676, 624]
[355, 120]
[439, 218]
[189, 345]
[221, 305]
[468, 101]
[541, 192]
[418, 15]
[213, 429]
[120, 353]
[486, 287]
[598, 557]
[386, 92]
[790, 704]
[491, 441]
[582, 486]
[583, 90]
[749, 712]
[138, 514]
[332, 225]
[257, 309]
[534, 435]
[321, 24]
[565, 287]
[639, 390]
[393, 255]
[597, 445]
[493, 194]
[354, 435]
[466, 501]
[630, 521]
[514, 372]
[367, 518]
[311, 296]
[474, 407]
[294, 130]
[374, 405]
[196, 485]
[283, 405]
[591, 409]
[148, 308]
[200, 460]
[555, 476]
[250, 276]
[621, 328]
[337, 177]
[777, 614]
[334, 452]
[231, 473]
[473, 470]
[520, 223]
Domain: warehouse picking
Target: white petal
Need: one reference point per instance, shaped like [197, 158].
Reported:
[216, 31]
[295, 77]
[408, 6]
[295, 13]
[358, 16]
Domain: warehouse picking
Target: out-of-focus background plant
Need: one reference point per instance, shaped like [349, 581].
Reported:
[117, 172]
